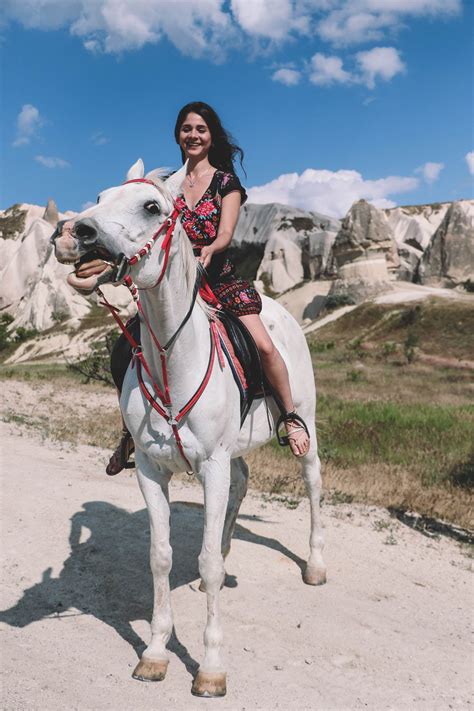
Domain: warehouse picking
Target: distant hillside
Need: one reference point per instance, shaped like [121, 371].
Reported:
[280, 247]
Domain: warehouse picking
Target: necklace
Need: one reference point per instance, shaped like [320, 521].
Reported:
[192, 181]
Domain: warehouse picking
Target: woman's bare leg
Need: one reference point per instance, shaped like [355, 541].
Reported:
[277, 373]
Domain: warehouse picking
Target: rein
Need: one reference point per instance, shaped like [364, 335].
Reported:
[159, 399]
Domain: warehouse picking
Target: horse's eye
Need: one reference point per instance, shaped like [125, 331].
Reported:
[152, 207]
[98, 199]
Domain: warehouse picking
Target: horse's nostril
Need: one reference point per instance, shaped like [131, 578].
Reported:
[85, 230]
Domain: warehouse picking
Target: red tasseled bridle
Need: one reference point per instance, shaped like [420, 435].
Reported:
[165, 409]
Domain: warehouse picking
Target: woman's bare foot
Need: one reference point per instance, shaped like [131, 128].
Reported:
[297, 435]
[298, 438]
[119, 459]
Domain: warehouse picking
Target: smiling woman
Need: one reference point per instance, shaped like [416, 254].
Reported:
[208, 202]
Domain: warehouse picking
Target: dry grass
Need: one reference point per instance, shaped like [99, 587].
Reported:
[442, 327]
[375, 483]
[391, 433]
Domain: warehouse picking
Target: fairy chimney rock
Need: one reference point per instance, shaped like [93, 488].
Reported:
[51, 214]
[364, 255]
[449, 258]
[365, 234]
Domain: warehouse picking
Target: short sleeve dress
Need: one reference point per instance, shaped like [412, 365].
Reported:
[201, 225]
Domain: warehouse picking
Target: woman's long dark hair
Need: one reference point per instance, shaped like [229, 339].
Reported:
[223, 148]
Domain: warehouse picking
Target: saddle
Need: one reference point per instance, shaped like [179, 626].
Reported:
[245, 351]
[253, 384]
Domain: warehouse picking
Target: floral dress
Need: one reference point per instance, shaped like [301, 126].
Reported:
[201, 224]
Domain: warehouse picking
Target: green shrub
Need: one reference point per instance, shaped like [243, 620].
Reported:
[5, 321]
[335, 301]
[96, 366]
[24, 334]
[320, 346]
[409, 346]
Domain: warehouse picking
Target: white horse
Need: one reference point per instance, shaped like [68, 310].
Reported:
[212, 441]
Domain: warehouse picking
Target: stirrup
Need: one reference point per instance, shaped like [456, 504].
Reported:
[126, 447]
[284, 440]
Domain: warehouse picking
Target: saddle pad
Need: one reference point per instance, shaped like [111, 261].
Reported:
[234, 362]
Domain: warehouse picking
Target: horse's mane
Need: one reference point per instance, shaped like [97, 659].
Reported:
[187, 255]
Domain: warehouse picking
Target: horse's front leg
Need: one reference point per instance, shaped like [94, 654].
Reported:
[215, 476]
[154, 486]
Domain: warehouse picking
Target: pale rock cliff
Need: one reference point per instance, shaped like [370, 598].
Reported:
[286, 244]
[364, 254]
[33, 286]
[365, 234]
[449, 258]
[415, 224]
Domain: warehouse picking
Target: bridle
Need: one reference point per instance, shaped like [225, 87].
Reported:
[125, 263]
[160, 399]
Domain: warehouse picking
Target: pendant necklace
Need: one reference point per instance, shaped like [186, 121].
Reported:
[191, 181]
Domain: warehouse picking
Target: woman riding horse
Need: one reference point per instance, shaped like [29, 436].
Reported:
[209, 203]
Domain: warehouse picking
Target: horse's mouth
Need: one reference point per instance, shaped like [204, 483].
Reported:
[86, 285]
[97, 253]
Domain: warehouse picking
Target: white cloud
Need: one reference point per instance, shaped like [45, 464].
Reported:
[267, 18]
[359, 21]
[52, 162]
[469, 158]
[99, 139]
[415, 7]
[329, 192]
[290, 77]
[327, 70]
[195, 27]
[341, 28]
[430, 171]
[27, 123]
[86, 205]
[383, 62]
[209, 27]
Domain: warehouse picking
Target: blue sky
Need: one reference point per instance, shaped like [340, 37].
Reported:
[331, 100]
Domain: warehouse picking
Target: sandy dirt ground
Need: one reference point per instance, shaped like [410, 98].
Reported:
[390, 630]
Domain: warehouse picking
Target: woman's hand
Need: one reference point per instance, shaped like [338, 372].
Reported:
[84, 279]
[206, 256]
[96, 266]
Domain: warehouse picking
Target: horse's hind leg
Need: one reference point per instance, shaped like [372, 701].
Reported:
[315, 572]
[154, 486]
[239, 474]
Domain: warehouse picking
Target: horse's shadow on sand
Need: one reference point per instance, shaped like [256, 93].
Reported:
[108, 574]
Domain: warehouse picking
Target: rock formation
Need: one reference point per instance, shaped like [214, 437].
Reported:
[51, 214]
[285, 244]
[415, 224]
[449, 258]
[33, 286]
[364, 254]
[364, 234]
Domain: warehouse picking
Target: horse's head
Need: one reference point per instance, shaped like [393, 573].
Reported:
[121, 223]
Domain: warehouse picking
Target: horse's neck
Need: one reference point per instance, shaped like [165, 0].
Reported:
[165, 308]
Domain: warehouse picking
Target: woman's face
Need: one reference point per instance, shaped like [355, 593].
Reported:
[194, 137]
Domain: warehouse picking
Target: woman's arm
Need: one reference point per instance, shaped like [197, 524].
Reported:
[229, 215]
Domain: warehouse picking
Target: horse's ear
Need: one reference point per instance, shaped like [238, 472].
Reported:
[174, 182]
[136, 171]
[159, 174]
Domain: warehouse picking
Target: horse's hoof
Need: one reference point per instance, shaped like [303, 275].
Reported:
[202, 585]
[209, 684]
[314, 576]
[149, 670]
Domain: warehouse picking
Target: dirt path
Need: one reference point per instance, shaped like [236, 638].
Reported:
[388, 631]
